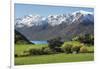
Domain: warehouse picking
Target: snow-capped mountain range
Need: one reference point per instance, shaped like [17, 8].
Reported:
[53, 20]
[36, 27]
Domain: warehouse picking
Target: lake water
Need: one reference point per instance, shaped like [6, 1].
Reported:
[39, 42]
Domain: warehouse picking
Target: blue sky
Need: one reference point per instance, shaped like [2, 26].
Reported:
[45, 10]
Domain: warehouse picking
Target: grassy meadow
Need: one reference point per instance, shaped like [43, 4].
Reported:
[52, 58]
[20, 48]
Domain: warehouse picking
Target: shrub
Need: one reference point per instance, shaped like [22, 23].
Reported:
[66, 48]
[55, 44]
[83, 49]
[76, 49]
[23, 54]
[47, 50]
[86, 39]
[36, 51]
[40, 51]
[58, 50]
[90, 51]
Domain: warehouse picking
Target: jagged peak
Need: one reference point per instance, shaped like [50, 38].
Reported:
[82, 12]
[35, 19]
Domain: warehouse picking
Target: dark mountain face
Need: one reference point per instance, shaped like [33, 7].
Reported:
[19, 38]
[63, 30]
[57, 26]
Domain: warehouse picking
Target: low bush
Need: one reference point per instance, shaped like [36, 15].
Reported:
[23, 55]
[58, 50]
[47, 50]
[75, 49]
[35, 51]
[40, 51]
[71, 47]
[90, 51]
[84, 50]
[66, 48]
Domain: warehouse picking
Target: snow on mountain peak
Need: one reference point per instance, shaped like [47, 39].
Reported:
[29, 21]
[82, 12]
[37, 20]
[83, 16]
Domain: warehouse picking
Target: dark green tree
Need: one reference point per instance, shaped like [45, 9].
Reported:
[55, 44]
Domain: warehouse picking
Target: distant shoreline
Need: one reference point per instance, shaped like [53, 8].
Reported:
[39, 42]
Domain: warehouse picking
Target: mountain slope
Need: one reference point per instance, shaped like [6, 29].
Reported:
[19, 38]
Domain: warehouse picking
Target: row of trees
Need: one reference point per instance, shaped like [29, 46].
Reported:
[86, 39]
[56, 45]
